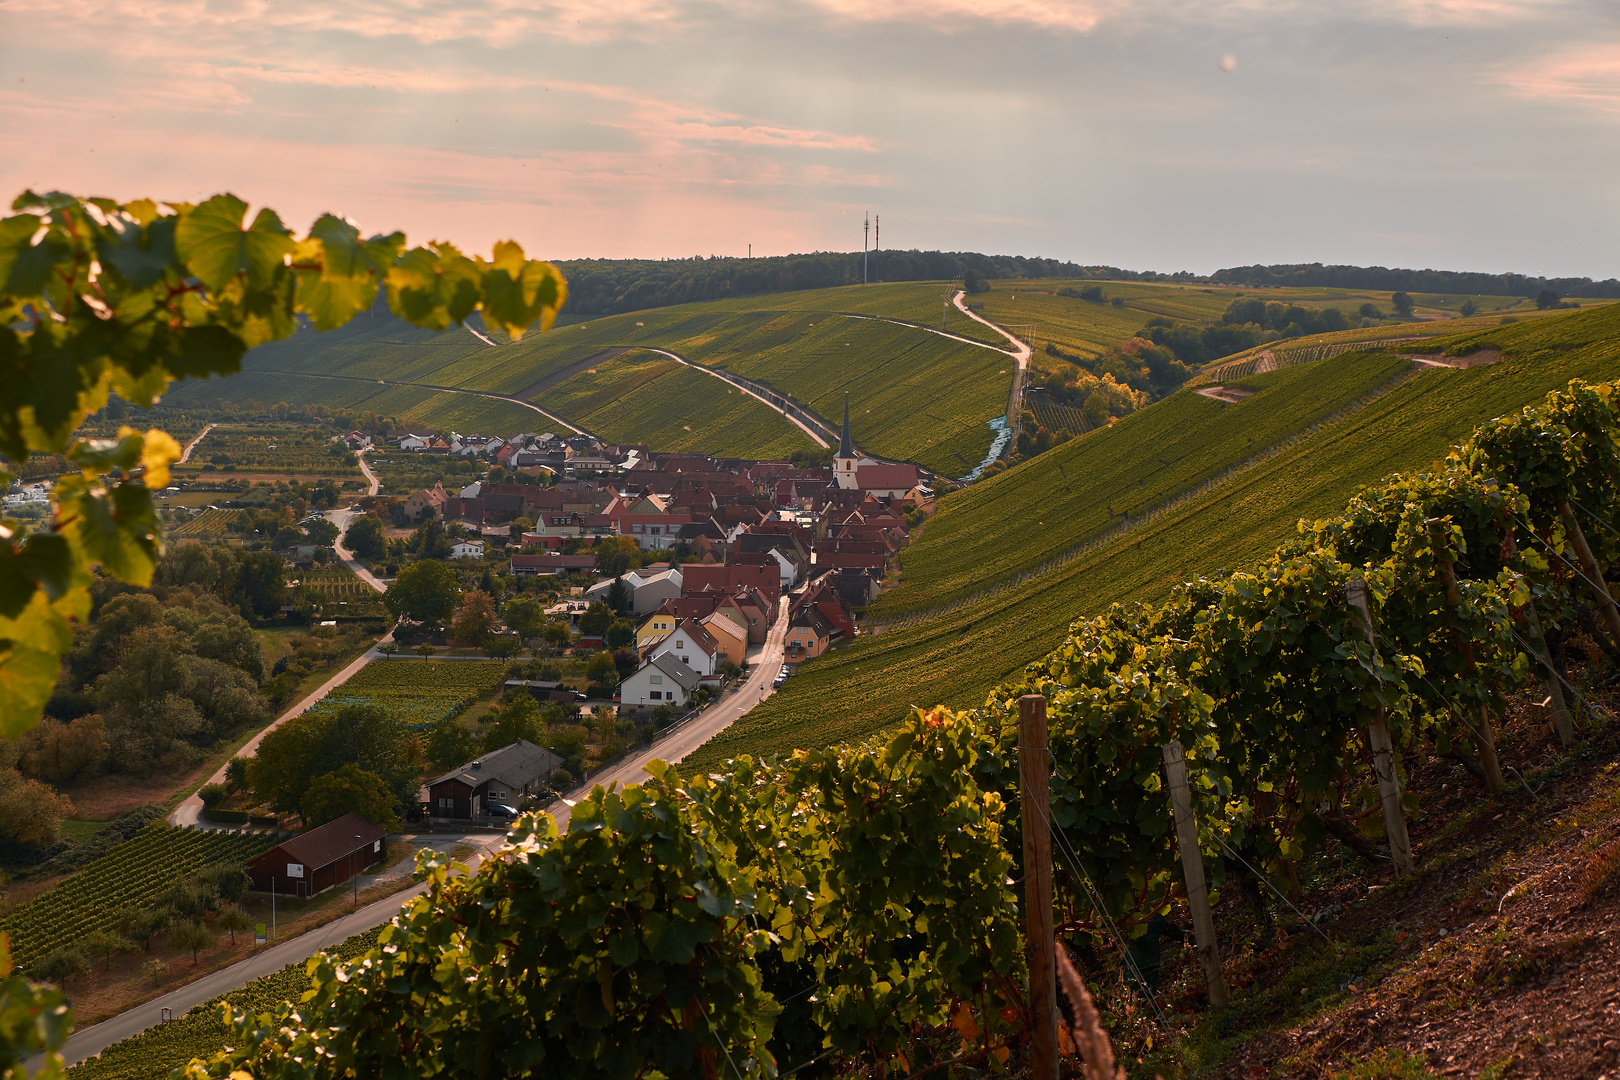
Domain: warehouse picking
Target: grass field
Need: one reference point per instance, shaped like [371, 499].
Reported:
[645, 397]
[955, 659]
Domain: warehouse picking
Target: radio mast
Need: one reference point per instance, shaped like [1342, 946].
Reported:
[877, 231]
[866, 234]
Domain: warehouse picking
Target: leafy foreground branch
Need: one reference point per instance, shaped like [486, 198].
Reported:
[100, 297]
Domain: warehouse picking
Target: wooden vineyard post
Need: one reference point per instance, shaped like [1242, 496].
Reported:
[1034, 775]
[1594, 579]
[1555, 689]
[1383, 753]
[1192, 866]
[1487, 737]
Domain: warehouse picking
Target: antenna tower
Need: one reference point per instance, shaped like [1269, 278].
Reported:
[877, 231]
[866, 234]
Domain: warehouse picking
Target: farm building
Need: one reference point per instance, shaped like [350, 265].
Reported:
[314, 861]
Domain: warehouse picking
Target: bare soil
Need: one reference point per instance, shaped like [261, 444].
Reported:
[1499, 958]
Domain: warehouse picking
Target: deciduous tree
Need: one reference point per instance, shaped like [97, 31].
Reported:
[350, 790]
[474, 619]
[424, 591]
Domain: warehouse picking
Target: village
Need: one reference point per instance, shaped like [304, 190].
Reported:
[734, 540]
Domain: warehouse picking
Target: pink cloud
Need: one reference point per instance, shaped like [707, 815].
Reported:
[1435, 12]
[667, 201]
[1078, 16]
[1586, 75]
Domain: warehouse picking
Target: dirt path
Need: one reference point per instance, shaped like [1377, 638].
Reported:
[1229, 394]
[185, 455]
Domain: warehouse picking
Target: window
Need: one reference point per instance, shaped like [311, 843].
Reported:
[656, 680]
[446, 803]
[656, 695]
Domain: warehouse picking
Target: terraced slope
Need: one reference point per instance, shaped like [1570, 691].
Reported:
[956, 658]
[992, 532]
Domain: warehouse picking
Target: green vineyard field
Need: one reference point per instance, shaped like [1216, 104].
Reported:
[200, 1033]
[417, 693]
[125, 878]
[990, 532]
[210, 523]
[649, 398]
[955, 659]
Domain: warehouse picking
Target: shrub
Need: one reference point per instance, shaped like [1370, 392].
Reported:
[61, 964]
[154, 969]
[562, 779]
[212, 793]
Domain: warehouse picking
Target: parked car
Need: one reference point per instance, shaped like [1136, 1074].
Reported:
[500, 810]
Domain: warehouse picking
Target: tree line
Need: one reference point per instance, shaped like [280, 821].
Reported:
[1316, 275]
[610, 286]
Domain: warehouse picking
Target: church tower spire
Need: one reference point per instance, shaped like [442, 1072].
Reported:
[846, 461]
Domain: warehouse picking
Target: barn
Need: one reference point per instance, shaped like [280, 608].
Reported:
[314, 861]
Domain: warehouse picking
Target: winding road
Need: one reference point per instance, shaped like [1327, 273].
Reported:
[730, 380]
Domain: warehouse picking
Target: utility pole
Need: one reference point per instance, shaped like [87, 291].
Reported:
[357, 844]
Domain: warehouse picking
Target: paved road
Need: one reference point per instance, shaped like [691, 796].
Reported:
[765, 661]
[93, 1040]
[190, 811]
[1021, 352]
[815, 436]
[341, 519]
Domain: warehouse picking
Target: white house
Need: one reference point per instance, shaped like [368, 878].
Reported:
[662, 680]
[412, 442]
[691, 644]
[650, 590]
[467, 549]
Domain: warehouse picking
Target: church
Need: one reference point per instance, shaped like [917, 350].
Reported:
[853, 471]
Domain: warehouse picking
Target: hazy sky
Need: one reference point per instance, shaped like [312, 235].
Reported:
[1152, 134]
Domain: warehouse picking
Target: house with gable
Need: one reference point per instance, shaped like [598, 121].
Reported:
[691, 644]
[661, 680]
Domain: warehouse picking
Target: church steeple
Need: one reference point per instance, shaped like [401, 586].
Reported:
[845, 447]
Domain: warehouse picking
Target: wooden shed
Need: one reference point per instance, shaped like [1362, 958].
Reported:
[314, 861]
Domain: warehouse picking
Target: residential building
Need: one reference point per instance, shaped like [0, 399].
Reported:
[508, 775]
[730, 638]
[467, 549]
[423, 500]
[661, 680]
[808, 635]
[691, 644]
[546, 563]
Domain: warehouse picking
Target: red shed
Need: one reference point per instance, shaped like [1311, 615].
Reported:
[314, 861]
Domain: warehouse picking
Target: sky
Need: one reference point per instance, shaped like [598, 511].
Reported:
[1149, 134]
